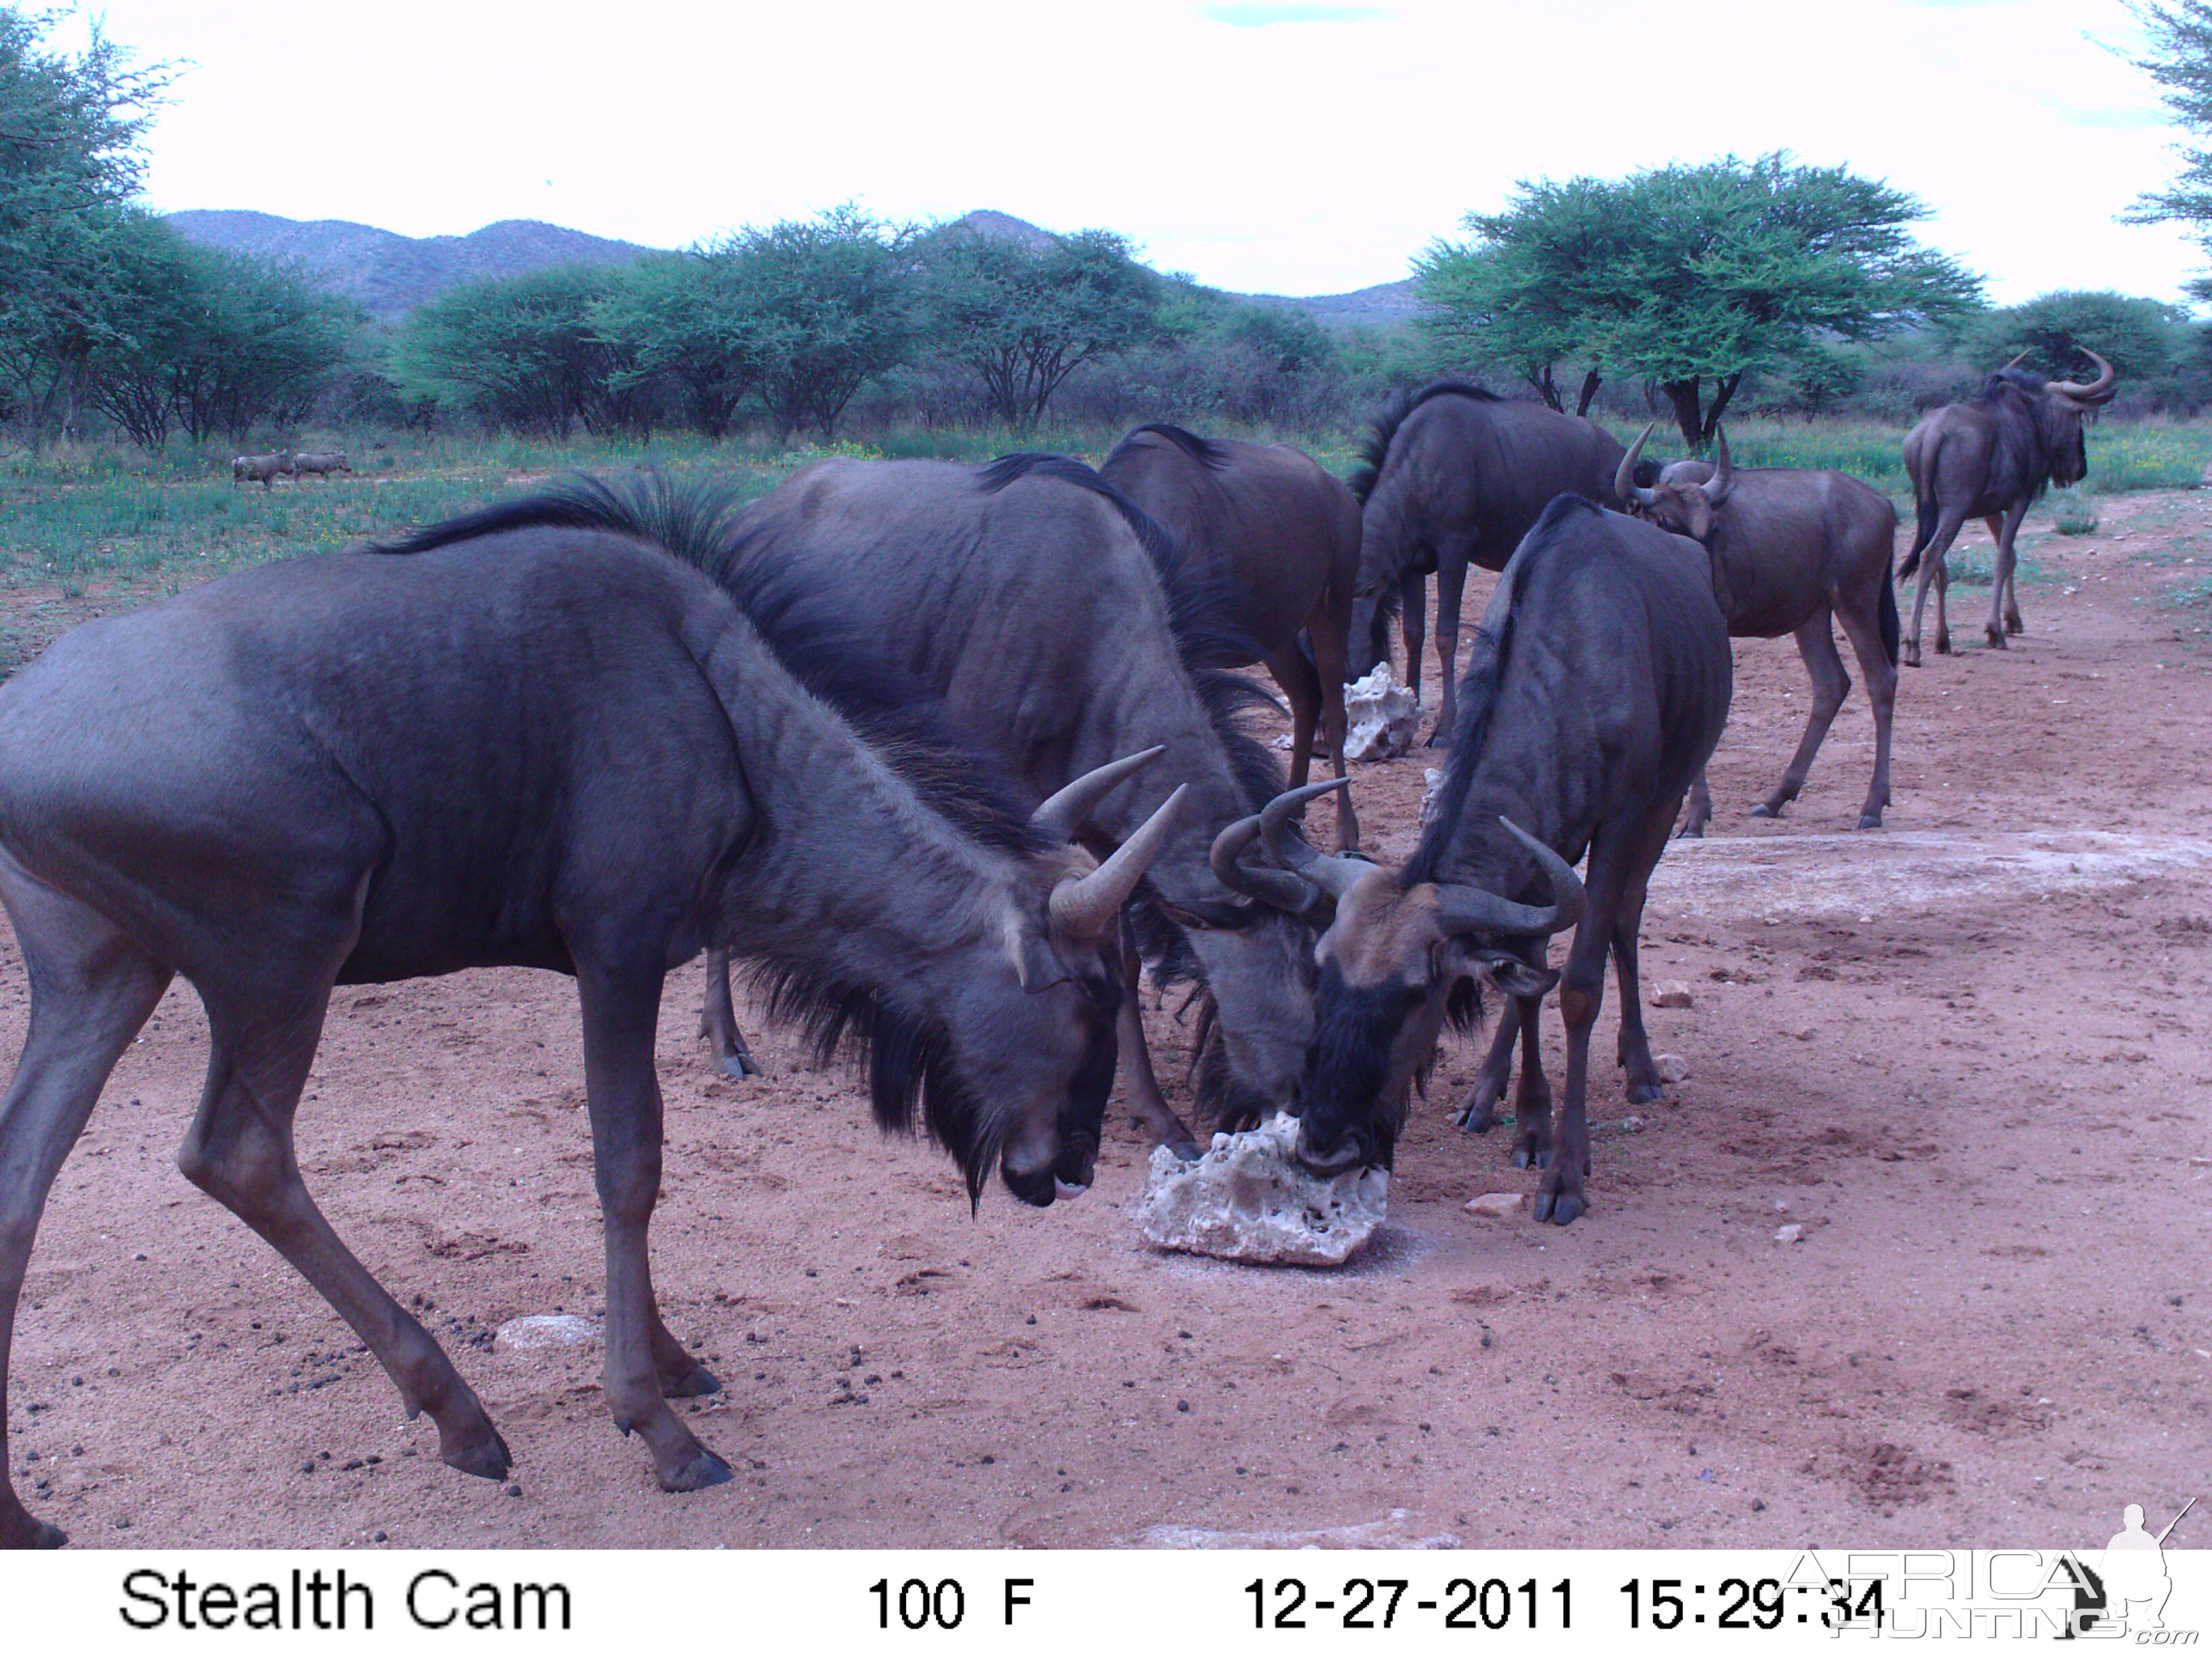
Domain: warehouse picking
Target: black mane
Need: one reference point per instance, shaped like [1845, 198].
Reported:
[1477, 692]
[1376, 446]
[1207, 454]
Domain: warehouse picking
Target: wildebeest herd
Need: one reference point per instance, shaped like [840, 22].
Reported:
[945, 754]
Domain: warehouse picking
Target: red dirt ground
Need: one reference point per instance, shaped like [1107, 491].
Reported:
[1968, 1055]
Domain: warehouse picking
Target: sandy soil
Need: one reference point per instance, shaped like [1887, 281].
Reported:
[1968, 1056]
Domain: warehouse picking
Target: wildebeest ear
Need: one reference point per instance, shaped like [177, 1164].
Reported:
[1036, 964]
[1512, 976]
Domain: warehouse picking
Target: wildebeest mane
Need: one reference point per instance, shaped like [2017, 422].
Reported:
[891, 709]
[1478, 691]
[1209, 455]
[1375, 446]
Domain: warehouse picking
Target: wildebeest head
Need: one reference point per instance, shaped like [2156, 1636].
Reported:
[1397, 959]
[1684, 496]
[2058, 407]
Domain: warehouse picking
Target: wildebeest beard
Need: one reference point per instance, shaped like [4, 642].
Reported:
[909, 1061]
[1346, 1087]
[1224, 1100]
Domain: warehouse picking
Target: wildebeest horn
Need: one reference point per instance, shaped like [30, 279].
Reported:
[1467, 909]
[2014, 362]
[1335, 876]
[1277, 888]
[1082, 908]
[2096, 388]
[1063, 812]
[1624, 479]
[1716, 488]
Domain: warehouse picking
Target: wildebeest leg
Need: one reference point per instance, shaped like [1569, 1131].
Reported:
[1478, 1113]
[1701, 808]
[1931, 570]
[91, 989]
[1451, 586]
[1816, 644]
[621, 1008]
[238, 1150]
[1642, 1082]
[1328, 664]
[2004, 608]
[1864, 632]
[1302, 683]
[717, 1021]
[1612, 865]
[1143, 1094]
[1413, 625]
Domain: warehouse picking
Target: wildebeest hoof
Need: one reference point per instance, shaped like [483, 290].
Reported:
[1643, 1094]
[1942, 645]
[2015, 625]
[1531, 1157]
[1690, 832]
[488, 1459]
[1186, 1151]
[691, 1384]
[1438, 740]
[696, 1472]
[1997, 638]
[1911, 658]
[1763, 811]
[22, 1531]
[1870, 820]
[740, 1065]
[1558, 1208]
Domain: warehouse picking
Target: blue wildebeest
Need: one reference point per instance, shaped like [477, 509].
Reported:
[1057, 621]
[1790, 548]
[1992, 460]
[262, 469]
[551, 748]
[1284, 534]
[1454, 477]
[1599, 684]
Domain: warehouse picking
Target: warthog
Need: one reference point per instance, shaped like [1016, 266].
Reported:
[1992, 459]
[321, 466]
[247, 469]
[1454, 477]
[1598, 686]
[1788, 547]
[546, 748]
[1284, 536]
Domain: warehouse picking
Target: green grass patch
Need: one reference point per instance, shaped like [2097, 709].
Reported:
[2074, 513]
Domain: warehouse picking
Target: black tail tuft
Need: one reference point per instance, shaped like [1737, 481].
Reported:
[1892, 632]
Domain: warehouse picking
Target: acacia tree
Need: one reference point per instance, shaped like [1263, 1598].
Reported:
[2181, 60]
[1691, 275]
[524, 352]
[688, 322]
[1024, 318]
[2141, 339]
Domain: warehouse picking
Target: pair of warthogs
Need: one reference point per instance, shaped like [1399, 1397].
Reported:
[265, 470]
[852, 734]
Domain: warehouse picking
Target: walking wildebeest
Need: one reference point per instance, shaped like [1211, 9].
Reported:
[264, 468]
[1599, 684]
[1454, 477]
[551, 748]
[1268, 520]
[321, 466]
[1992, 460]
[1790, 546]
[1056, 621]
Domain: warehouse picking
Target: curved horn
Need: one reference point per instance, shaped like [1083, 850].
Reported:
[2015, 361]
[1469, 909]
[1063, 812]
[1278, 888]
[1716, 488]
[1335, 876]
[2096, 388]
[1624, 477]
[1082, 908]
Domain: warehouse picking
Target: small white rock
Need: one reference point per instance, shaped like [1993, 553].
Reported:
[533, 1331]
[1790, 1233]
[1496, 1204]
[1673, 1068]
[1380, 716]
[1249, 1199]
[1631, 1124]
[1670, 994]
[1431, 781]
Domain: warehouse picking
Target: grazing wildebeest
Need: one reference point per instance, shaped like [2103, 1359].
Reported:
[551, 748]
[1056, 621]
[1285, 535]
[1454, 477]
[1790, 546]
[1599, 685]
[1992, 460]
[246, 469]
[321, 466]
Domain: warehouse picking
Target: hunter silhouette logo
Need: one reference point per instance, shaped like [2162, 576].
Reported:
[2128, 1590]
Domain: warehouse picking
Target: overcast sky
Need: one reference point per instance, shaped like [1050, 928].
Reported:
[1262, 145]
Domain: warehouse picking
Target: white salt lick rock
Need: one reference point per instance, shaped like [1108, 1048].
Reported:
[534, 1331]
[1249, 1199]
[1380, 716]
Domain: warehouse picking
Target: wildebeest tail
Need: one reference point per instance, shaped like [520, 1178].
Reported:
[1892, 630]
[1925, 512]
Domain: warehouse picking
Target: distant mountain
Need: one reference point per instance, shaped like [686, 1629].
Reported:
[391, 274]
